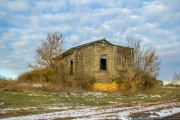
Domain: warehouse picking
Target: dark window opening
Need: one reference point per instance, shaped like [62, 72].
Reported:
[71, 67]
[102, 64]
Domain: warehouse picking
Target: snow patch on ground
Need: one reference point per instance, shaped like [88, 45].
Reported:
[165, 113]
[1, 103]
[155, 96]
[2, 111]
[38, 85]
[105, 112]
[56, 108]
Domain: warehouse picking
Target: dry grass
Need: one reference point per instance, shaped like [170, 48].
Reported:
[6, 85]
[41, 100]
[131, 81]
[135, 80]
[52, 82]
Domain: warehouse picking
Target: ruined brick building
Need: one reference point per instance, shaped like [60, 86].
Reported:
[100, 60]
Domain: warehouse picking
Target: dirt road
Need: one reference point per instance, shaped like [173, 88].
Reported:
[174, 117]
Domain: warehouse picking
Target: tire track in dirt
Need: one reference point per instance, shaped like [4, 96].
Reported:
[106, 112]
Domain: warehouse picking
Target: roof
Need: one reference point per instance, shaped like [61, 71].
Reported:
[71, 50]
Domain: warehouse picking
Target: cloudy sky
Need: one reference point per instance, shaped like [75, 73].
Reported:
[25, 23]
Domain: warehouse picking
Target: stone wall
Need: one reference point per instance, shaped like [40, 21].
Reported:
[104, 52]
[86, 62]
[124, 57]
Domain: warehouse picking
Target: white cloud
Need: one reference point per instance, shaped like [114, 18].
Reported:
[81, 3]
[57, 5]
[162, 12]
[155, 9]
[14, 5]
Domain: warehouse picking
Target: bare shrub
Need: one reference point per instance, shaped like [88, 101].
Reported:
[85, 81]
[34, 76]
[142, 75]
[136, 81]
[176, 79]
[145, 58]
[16, 86]
[52, 82]
[7, 85]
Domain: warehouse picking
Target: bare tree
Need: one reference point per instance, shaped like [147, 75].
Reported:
[142, 75]
[176, 78]
[48, 50]
[145, 58]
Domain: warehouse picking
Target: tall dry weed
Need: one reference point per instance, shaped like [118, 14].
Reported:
[135, 80]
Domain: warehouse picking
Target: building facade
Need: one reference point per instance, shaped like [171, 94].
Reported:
[99, 60]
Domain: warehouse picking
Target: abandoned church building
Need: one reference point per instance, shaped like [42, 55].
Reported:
[100, 60]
